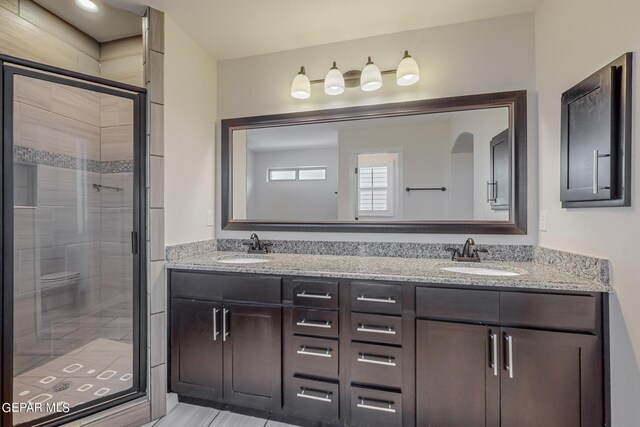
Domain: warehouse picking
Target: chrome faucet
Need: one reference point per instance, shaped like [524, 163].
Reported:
[469, 252]
[256, 246]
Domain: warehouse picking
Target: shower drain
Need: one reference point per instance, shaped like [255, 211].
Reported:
[62, 386]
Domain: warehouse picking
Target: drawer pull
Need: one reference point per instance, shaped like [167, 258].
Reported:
[367, 358]
[387, 330]
[313, 351]
[304, 395]
[388, 408]
[387, 300]
[305, 294]
[315, 324]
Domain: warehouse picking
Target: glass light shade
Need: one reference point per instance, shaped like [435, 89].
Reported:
[408, 72]
[371, 78]
[87, 5]
[334, 81]
[301, 87]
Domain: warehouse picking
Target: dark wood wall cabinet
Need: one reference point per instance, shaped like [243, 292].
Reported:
[596, 138]
[341, 352]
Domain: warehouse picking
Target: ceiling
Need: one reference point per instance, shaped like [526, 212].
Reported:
[238, 28]
[109, 23]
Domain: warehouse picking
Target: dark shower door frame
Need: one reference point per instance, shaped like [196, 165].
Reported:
[9, 67]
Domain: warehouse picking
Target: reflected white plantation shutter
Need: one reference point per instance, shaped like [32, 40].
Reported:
[374, 189]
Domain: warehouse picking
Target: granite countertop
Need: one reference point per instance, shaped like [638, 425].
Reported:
[533, 275]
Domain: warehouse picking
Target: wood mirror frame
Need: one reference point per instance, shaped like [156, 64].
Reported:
[516, 101]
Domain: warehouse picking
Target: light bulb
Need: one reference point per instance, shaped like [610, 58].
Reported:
[301, 87]
[371, 78]
[87, 5]
[408, 72]
[334, 81]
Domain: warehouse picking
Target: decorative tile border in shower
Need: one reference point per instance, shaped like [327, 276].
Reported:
[584, 266]
[516, 253]
[33, 156]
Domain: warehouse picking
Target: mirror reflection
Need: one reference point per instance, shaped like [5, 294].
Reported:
[452, 166]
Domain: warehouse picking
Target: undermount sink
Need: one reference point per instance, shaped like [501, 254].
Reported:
[243, 260]
[481, 271]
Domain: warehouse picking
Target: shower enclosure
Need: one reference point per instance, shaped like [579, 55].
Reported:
[73, 213]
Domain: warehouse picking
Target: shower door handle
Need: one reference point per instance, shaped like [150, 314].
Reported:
[134, 242]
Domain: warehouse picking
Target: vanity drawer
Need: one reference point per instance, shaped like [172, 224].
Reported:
[313, 400]
[376, 298]
[376, 328]
[458, 304]
[315, 322]
[549, 311]
[315, 356]
[375, 408]
[376, 365]
[215, 286]
[314, 293]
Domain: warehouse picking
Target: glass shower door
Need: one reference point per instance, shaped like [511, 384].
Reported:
[75, 283]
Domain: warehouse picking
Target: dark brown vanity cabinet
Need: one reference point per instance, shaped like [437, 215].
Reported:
[343, 352]
[510, 376]
[227, 351]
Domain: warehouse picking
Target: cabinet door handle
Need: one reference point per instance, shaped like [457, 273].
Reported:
[387, 330]
[305, 294]
[215, 324]
[312, 351]
[509, 366]
[304, 395]
[492, 191]
[367, 358]
[596, 157]
[225, 327]
[388, 408]
[326, 324]
[387, 300]
[494, 353]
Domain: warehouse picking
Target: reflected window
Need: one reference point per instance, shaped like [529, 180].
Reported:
[298, 174]
[375, 190]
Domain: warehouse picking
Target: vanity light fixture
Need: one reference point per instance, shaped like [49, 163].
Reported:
[87, 5]
[369, 79]
[334, 81]
[301, 87]
[408, 72]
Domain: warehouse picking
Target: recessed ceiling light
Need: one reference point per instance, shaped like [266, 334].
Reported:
[87, 5]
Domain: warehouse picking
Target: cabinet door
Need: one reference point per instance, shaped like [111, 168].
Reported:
[252, 356]
[550, 379]
[457, 375]
[500, 184]
[196, 348]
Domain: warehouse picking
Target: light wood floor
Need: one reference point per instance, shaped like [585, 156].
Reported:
[185, 415]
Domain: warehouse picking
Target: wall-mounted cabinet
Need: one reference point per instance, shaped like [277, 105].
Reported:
[596, 139]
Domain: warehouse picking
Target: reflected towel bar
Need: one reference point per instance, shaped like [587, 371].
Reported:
[408, 189]
[100, 187]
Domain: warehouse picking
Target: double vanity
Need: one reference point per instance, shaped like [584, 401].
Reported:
[387, 341]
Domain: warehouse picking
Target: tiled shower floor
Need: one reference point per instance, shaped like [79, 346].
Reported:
[86, 358]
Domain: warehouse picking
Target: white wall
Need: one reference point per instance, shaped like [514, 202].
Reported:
[475, 57]
[575, 38]
[189, 125]
[294, 200]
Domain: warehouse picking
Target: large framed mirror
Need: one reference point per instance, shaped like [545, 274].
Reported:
[449, 165]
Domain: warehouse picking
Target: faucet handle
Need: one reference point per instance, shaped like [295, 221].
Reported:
[481, 250]
[455, 253]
